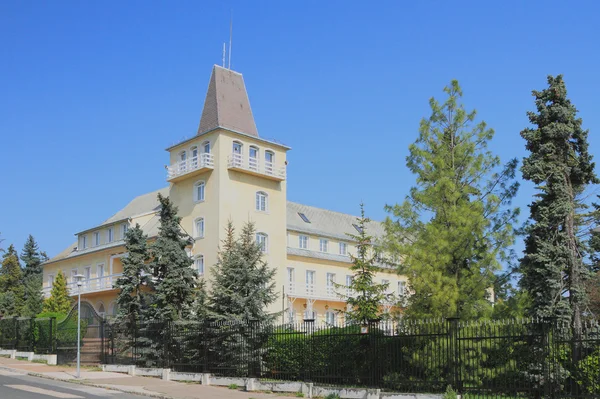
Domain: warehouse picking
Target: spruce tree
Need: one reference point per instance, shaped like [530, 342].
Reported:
[456, 225]
[367, 298]
[559, 164]
[11, 283]
[171, 266]
[59, 300]
[136, 275]
[243, 285]
[32, 258]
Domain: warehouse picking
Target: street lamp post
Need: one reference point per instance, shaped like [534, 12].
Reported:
[78, 278]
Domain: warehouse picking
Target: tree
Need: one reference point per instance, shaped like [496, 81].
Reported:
[553, 268]
[175, 278]
[59, 300]
[32, 258]
[243, 285]
[34, 298]
[136, 275]
[456, 225]
[367, 299]
[11, 285]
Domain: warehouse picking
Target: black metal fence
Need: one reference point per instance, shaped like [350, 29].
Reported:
[504, 359]
[26, 334]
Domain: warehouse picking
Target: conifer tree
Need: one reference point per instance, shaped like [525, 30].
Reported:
[136, 275]
[456, 224]
[171, 266]
[32, 258]
[243, 285]
[553, 268]
[368, 297]
[11, 284]
[59, 300]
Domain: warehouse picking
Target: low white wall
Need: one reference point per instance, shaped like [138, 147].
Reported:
[146, 372]
[50, 359]
[116, 368]
[177, 376]
[283, 386]
[391, 395]
[226, 381]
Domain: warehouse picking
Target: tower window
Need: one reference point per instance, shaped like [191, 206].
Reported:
[261, 201]
[253, 158]
[199, 228]
[237, 147]
[206, 147]
[303, 217]
[199, 261]
[262, 240]
[199, 191]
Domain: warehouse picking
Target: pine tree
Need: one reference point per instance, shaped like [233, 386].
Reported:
[553, 268]
[136, 275]
[367, 299]
[456, 224]
[32, 258]
[11, 284]
[243, 285]
[59, 300]
[175, 278]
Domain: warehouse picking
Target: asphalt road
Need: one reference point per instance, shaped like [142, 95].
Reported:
[14, 386]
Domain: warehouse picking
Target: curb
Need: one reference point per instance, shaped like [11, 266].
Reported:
[78, 382]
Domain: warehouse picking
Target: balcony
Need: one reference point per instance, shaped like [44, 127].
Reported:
[97, 284]
[314, 291]
[190, 167]
[252, 166]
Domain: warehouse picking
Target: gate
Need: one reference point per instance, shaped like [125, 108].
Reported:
[92, 337]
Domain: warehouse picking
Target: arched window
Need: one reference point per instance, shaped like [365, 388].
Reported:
[199, 262]
[206, 147]
[113, 308]
[194, 155]
[101, 309]
[237, 147]
[269, 159]
[263, 241]
[253, 158]
[199, 191]
[199, 228]
[182, 160]
[262, 201]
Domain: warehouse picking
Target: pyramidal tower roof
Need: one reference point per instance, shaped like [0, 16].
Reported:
[226, 105]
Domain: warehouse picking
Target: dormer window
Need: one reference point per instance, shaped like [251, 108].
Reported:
[125, 229]
[109, 235]
[96, 238]
[83, 242]
[303, 217]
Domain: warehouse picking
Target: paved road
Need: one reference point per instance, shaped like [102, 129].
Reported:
[18, 386]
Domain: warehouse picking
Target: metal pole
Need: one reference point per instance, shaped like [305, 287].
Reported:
[78, 330]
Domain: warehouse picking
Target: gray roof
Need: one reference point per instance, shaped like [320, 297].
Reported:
[139, 205]
[326, 223]
[318, 255]
[226, 105]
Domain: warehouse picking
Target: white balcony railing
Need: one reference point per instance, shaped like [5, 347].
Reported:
[238, 161]
[205, 160]
[315, 291]
[97, 284]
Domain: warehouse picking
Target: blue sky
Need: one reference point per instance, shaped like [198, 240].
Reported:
[92, 93]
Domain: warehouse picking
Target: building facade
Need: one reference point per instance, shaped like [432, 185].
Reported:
[228, 172]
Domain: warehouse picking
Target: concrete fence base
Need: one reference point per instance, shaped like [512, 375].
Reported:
[254, 384]
[30, 356]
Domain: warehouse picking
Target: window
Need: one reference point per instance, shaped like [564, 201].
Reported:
[50, 280]
[87, 275]
[262, 240]
[310, 282]
[303, 217]
[96, 238]
[269, 157]
[303, 242]
[343, 248]
[385, 283]
[261, 201]
[331, 317]
[310, 315]
[200, 264]
[253, 158]
[330, 284]
[182, 156]
[357, 227]
[291, 279]
[199, 228]
[206, 147]
[401, 288]
[124, 229]
[100, 274]
[237, 147]
[199, 191]
[73, 274]
[194, 154]
[83, 242]
[182, 161]
[348, 285]
[109, 235]
[323, 243]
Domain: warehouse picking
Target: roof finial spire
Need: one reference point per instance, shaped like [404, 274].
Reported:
[230, 36]
[224, 51]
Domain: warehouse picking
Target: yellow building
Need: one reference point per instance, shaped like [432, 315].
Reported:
[228, 172]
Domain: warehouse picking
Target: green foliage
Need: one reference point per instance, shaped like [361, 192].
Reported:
[299, 395]
[332, 396]
[59, 300]
[34, 299]
[456, 224]
[450, 393]
[233, 386]
[368, 296]
[588, 373]
[136, 275]
[32, 258]
[553, 268]
[171, 266]
[243, 286]
[12, 292]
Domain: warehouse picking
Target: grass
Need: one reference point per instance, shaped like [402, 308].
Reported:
[299, 395]
[42, 361]
[233, 386]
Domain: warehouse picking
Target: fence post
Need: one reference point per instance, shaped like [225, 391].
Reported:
[454, 354]
[32, 335]
[52, 336]
[309, 326]
[17, 332]
[103, 353]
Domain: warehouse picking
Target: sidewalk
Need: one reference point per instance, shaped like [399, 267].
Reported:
[147, 386]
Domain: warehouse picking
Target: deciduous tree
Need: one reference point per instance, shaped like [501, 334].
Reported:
[59, 300]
